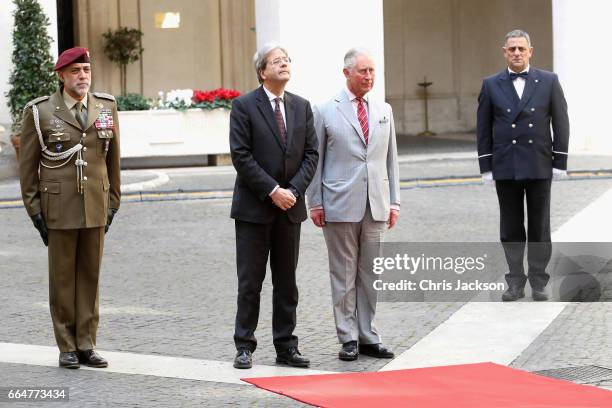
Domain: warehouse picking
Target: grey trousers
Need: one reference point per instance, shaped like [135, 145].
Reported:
[351, 247]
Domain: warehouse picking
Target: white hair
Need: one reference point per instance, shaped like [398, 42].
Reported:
[350, 58]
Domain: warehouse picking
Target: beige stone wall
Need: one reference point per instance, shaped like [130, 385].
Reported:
[455, 43]
[212, 47]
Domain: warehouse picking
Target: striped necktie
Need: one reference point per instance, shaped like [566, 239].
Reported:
[362, 115]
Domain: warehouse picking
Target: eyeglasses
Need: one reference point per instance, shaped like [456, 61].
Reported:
[280, 60]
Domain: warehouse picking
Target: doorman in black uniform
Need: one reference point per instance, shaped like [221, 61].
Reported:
[518, 152]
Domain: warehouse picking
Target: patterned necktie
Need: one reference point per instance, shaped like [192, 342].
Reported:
[362, 115]
[79, 115]
[279, 120]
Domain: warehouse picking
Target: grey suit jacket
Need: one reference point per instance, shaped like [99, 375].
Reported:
[349, 173]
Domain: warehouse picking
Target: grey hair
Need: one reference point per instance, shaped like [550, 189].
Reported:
[351, 56]
[260, 57]
[517, 34]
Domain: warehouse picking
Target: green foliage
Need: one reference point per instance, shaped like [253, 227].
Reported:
[133, 102]
[32, 75]
[123, 46]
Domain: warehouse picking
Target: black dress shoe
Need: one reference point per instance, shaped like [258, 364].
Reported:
[539, 295]
[376, 350]
[292, 357]
[69, 359]
[243, 359]
[512, 293]
[91, 358]
[349, 351]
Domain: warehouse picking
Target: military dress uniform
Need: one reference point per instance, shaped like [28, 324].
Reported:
[70, 172]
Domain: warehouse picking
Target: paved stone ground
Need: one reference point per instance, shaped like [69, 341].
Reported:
[580, 336]
[172, 265]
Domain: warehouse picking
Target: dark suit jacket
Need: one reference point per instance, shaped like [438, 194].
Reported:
[514, 137]
[262, 161]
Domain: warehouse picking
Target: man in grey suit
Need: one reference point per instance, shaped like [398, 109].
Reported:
[355, 196]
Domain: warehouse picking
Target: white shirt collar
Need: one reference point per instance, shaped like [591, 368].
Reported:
[525, 70]
[271, 96]
[352, 96]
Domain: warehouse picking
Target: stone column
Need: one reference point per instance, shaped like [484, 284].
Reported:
[317, 34]
[583, 61]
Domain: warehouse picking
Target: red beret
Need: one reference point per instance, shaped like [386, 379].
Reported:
[72, 55]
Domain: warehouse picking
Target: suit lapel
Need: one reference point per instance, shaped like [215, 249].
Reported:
[289, 118]
[345, 107]
[61, 110]
[373, 122]
[93, 110]
[508, 87]
[263, 104]
[530, 86]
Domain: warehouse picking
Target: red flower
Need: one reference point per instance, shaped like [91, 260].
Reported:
[219, 94]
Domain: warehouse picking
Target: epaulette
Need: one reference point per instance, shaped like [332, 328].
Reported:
[103, 95]
[35, 101]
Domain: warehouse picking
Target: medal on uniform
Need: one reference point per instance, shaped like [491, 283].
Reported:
[58, 147]
[105, 120]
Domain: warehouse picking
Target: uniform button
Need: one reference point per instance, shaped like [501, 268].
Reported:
[514, 142]
[514, 125]
[84, 134]
[85, 178]
[530, 141]
[509, 110]
[533, 109]
[531, 125]
[84, 149]
[45, 189]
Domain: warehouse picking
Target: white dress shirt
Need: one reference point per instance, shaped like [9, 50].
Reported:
[355, 102]
[272, 97]
[519, 83]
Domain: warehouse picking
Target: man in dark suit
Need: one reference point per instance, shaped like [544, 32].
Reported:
[516, 149]
[274, 150]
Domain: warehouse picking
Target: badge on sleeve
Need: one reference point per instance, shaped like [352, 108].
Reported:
[105, 120]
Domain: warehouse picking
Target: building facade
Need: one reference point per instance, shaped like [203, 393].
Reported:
[206, 44]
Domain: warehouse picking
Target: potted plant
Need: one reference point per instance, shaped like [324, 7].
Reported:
[32, 75]
[123, 46]
[185, 122]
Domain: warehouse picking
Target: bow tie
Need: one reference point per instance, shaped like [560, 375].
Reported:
[514, 75]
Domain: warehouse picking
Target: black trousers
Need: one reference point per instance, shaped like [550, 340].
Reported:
[281, 240]
[511, 195]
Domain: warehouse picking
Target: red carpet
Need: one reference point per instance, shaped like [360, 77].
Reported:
[483, 385]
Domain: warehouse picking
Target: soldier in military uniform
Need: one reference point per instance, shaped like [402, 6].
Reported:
[70, 183]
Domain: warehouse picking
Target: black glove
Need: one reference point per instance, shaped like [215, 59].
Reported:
[109, 218]
[41, 226]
